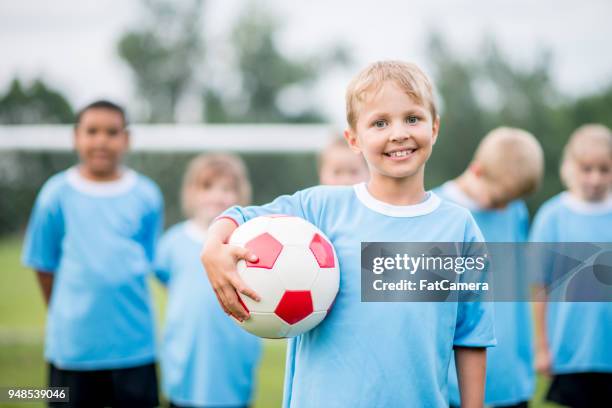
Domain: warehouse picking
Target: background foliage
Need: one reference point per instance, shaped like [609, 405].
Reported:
[255, 82]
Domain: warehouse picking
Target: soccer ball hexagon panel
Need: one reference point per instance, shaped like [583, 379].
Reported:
[296, 275]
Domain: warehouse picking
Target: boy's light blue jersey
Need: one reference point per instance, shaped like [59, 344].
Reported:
[207, 359]
[97, 239]
[377, 354]
[510, 373]
[579, 334]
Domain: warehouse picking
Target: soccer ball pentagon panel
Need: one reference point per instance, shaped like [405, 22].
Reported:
[296, 275]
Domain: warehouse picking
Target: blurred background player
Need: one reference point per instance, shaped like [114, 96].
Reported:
[507, 166]
[573, 340]
[91, 239]
[340, 166]
[207, 360]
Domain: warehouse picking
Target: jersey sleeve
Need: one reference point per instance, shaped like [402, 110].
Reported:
[523, 222]
[295, 205]
[153, 224]
[163, 260]
[522, 278]
[542, 231]
[42, 247]
[474, 324]
[289, 371]
[543, 228]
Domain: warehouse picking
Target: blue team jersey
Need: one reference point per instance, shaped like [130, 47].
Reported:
[377, 354]
[98, 240]
[207, 359]
[579, 334]
[510, 373]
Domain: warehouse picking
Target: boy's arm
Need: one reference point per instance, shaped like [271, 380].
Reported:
[542, 352]
[474, 331]
[45, 281]
[153, 224]
[219, 260]
[471, 365]
[42, 247]
[540, 266]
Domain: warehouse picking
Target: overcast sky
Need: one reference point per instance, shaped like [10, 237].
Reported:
[71, 44]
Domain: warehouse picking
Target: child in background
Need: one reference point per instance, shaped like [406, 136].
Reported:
[91, 239]
[507, 166]
[207, 360]
[374, 354]
[573, 340]
[340, 166]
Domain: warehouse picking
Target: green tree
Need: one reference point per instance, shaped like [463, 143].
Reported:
[163, 54]
[266, 76]
[529, 99]
[463, 122]
[593, 108]
[36, 104]
[480, 93]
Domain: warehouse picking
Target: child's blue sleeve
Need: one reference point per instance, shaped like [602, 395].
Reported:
[522, 276]
[543, 230]
[474, 324]
[42, 248]
[289, 371]
[523, 222]
[163, 260]
[285, 204]
[153, 224]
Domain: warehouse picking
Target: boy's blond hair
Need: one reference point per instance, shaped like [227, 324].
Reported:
[205, 168]
[407, 76]
[586, 136]
[513, 152]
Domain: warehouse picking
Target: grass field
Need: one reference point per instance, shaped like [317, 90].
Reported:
[22, 316]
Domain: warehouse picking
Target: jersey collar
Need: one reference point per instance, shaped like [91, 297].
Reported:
[586, 207]
[195, 232]
[451, 190]
[429, 205]
[102, 188]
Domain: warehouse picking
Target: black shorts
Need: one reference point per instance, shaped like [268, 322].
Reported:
[581, 390]
[126, 387]
[523, 404]
[173, 405]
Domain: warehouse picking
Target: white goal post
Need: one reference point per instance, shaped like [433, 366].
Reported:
[181, 138]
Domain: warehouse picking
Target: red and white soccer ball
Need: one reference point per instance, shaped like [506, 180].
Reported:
[297, 275]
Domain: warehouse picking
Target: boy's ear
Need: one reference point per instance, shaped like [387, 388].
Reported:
[352, 140]
[436, 130]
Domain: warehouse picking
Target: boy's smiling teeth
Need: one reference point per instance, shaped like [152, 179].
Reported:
[400, 153]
